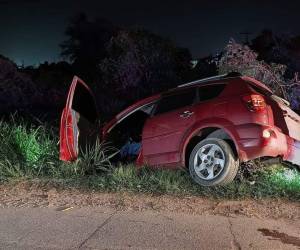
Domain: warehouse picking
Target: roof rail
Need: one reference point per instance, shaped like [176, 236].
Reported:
[212, 78]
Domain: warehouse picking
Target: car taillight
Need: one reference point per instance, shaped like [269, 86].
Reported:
[255, 103]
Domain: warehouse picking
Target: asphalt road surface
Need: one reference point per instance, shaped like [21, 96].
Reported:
[90, 228]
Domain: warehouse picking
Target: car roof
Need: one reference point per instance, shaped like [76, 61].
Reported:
[217, 80]
[211, 79]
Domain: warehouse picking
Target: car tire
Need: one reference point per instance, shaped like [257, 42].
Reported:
[212, 162]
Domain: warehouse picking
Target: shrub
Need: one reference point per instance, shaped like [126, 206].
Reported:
[26, 149]
[17, 91]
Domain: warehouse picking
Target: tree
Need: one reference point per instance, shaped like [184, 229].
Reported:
[240, 58]
[140, 63]
[205, 67]
[86, 43]
[17, 91]
[263, 44]
[280, 49]
[53, 81]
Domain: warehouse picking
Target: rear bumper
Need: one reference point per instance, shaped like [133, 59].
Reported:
[253, 144]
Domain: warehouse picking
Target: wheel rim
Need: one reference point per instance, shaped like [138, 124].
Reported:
[209, 162]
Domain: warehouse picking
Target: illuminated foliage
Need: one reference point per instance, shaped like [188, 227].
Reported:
[240, 58]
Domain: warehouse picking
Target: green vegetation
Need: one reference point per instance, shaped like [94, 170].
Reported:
[29, 151]
[272, 182]
[26, 150]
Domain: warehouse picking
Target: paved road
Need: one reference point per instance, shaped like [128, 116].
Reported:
[46, 228]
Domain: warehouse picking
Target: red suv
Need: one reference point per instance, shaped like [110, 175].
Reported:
[208, 126]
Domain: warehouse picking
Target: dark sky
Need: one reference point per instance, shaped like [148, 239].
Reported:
[31, 30]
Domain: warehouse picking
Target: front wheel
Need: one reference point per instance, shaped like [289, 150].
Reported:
[212, 162]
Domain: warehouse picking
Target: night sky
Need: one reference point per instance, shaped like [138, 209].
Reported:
[31, 30]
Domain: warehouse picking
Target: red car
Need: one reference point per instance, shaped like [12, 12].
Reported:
[208, 126]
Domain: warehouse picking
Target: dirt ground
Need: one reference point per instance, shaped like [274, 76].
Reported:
[38, 194]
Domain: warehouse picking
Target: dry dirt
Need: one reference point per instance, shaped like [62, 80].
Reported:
[38, 194]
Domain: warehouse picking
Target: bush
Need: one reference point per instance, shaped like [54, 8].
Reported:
[26, 149]
[17, 90]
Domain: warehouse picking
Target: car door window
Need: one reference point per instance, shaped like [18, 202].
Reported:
[84, 103]
[176, 101]
[210, 91]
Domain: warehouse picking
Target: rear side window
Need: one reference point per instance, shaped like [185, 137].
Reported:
[211, 91]
[176, 101]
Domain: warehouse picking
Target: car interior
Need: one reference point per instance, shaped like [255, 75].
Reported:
[129, 130]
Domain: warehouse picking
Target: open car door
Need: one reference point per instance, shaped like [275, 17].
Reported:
[78, 120]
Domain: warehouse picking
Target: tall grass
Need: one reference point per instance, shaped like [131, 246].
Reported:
[31, 151]
[26, 149]
[96, 158]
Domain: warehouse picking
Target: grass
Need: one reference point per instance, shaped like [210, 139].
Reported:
[31, 151]
[271, 182]
[26, 150]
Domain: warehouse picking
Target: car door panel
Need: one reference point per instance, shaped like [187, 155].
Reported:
[79, 117]
[163, 134]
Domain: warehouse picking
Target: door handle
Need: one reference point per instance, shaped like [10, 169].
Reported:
[186, 114]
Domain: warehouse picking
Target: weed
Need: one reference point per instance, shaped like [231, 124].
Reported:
[96, 158]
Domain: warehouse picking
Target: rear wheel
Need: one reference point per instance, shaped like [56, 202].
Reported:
[212, 162]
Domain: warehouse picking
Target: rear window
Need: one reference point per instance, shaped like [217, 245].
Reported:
[259, 90]
[210, 92]
[176, 101]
